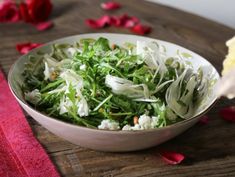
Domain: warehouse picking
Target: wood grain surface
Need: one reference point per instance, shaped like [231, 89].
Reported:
[209, 149]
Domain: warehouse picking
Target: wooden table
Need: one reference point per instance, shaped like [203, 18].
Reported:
[209, 149]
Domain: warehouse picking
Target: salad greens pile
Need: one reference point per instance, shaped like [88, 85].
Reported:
[130, 87]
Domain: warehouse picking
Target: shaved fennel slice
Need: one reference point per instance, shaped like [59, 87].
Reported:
[153, 55]
[52, 65]
[152, 99]
[59, 89]
[146, 100]
[55, 63]
[125, 87]
[159, 87]
[206, 81]
[180, 99]
[71, 51]
[50, 60]
[47, 71]
[83, 108]
[72, 78]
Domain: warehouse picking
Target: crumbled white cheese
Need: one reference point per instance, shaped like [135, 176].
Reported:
[109, 125]
[145, 122]
[136, 127]
[126, 127]
[154, 121]
[33, 96]
[83, 67]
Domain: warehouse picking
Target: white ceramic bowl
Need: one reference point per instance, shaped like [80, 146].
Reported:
[104, 140]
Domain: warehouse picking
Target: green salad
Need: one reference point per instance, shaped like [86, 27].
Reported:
[100, 85]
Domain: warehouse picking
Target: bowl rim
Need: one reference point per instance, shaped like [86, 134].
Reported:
[213, 102]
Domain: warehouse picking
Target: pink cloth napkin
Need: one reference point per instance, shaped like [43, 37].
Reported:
[21, 155]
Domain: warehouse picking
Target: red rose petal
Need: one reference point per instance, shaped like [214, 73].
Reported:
[172, 158]
[9, 12]
[43, 25]
[110, 5]
[141, 29]
[124, 21]
[228, 113]
[115, 21]
[120, 21]
[204, 120]
[128, 21]
[24, 48]
[99, 23]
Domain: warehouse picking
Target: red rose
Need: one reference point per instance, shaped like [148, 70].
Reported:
[24, 13]
[9, 11]
[35, 11]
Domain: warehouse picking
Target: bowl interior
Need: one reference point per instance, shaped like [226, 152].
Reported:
[15, 78]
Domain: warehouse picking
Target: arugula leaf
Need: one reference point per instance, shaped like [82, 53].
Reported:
[102, 44]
